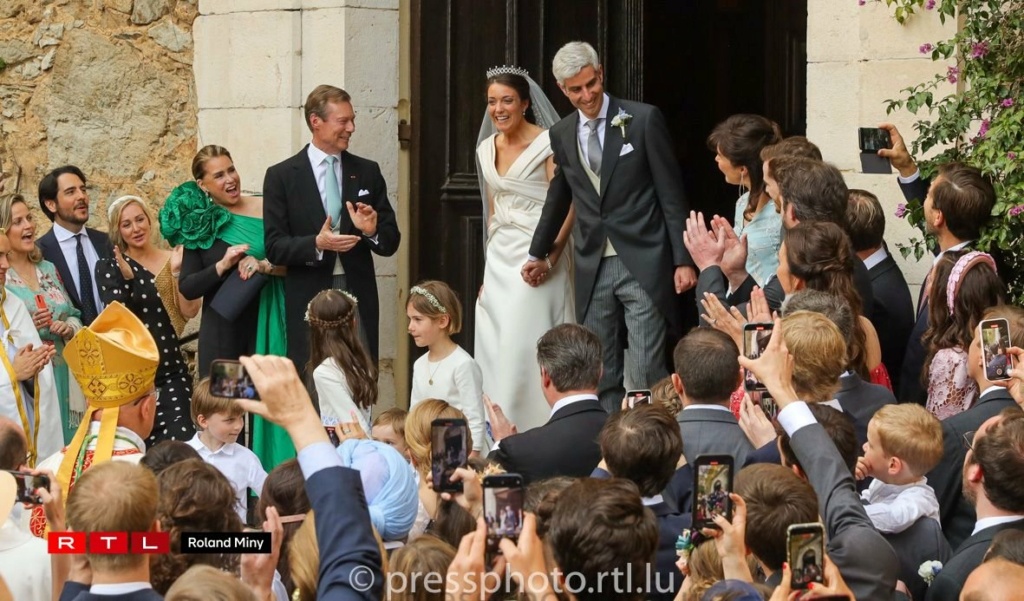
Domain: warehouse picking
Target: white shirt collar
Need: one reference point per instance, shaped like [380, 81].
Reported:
[990, 389]
[983, 523]
[648, 501]
[935, 261]
[197, 444]
[569, 400]
[876, 257]
[119, 588]
[706, 406]
[62, 233]
[603, 114]
[317, 156]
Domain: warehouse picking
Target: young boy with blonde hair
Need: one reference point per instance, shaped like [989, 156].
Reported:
[389, 427]
[904, 443]
[218, 423]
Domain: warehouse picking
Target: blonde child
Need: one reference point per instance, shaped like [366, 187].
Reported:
[446, 371]
[389, 427]
[219, 421]
[904, 443]
[344, 374]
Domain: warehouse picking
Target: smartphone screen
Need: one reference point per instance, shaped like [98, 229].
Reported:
[873, 139]
[713, 483]
[27, 485]
[805, 545]
[995, 342]
[448, 448]
[755, 340]
[767, 403]
[229, 380]
[503, 510]
[638, 397]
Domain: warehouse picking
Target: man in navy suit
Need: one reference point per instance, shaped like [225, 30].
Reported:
[326, 213]
[957, 205]
[73, 248]
[893, 311]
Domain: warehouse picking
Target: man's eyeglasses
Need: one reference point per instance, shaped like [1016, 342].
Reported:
[155, 393]
[969, 439]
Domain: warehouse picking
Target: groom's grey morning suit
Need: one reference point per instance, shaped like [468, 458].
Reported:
[628, 234]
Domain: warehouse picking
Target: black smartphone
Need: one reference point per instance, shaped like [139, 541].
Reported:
[449, 451]
[805, 549]
[873, 139]
[712, 483]
[995, 344]
[638, 397]
[229, 380]
[755, 340]
[27, 485]
[503, 510]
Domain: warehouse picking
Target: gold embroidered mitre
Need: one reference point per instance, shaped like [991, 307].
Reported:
[114, 361]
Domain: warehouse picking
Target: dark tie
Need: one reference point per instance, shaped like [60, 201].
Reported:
[594, 147]
[85, 292]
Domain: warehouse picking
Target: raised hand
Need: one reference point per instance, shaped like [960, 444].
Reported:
[472, 496]
[501, 427]
[898, 155]
[758, 308]
[705, 249]
[122, 264]
[285, 400]
[177, 255]
[257, 569]
[734, 248]
[774, 368]
[729, 321]
[350, 430]
[231, 257]
[755, 423]
[1015, 385]
[364, 217]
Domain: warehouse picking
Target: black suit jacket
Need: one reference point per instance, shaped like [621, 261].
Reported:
[51, 252]
[892, 315]
[956, 513]
[860, 400]
[911, 390]
[949, 582]
[293, 215]
[866, 561]
[565, 446]
[712, 432]
[922, 541]
[641, 207]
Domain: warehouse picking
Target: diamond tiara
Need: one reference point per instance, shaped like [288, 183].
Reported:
[495, 71]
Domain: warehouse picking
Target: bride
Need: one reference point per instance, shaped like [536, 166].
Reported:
[515, 165]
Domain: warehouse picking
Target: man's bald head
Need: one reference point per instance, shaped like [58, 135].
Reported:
[13, 445]
[994, 580]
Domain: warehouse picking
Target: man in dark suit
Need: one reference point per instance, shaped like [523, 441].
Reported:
[615, 165]
[893, 311]
[326, 212]
[706, 374]
[992, 483]
[955, 511]
[957, 205]
[569, 356]
[73, 248]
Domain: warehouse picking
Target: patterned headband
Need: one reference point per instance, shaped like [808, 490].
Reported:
[333, 323]
[963, 264]
[513, 70]
[430, 298]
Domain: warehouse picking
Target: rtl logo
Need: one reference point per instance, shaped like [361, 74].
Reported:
[108, 542]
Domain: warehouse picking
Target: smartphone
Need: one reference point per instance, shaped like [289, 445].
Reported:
[41, 306]
[805, 549]
[229, 380]
[638, 397]
[768, 405]
[449, 451]
[712, 484]
[27, 486]
[755, 340]
[873, 139]
[995, 340]
[503, 511]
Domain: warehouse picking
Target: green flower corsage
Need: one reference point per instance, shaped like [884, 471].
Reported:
[190, 218]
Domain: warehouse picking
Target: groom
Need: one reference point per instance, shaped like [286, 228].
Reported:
[615, 163]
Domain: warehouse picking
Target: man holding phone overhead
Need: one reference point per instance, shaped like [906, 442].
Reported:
[24, 562]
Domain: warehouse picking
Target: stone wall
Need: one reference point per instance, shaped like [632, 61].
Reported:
[857, 58]
[102, 84]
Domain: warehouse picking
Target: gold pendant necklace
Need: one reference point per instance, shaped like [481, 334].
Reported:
[431, 379]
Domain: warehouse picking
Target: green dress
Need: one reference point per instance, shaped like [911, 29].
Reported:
[270, 442]
[59, 303]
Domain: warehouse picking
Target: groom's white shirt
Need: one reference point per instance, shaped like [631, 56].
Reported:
[583, 132]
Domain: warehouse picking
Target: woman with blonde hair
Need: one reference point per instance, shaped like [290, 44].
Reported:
[141, 276]
[415, 561]
[304, 560]
[34, 281]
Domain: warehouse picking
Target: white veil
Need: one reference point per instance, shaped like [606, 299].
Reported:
[544, 114]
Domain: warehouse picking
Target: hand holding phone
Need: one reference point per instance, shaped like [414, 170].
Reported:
[873, 139]
[449, 440]
[756, 337]
[638, 397]
[805, 549]
[229, 380]
[27, 484]
[995, 345]
[712, 484]
[503, 511]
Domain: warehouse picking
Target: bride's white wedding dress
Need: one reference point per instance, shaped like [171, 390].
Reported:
[510, 314]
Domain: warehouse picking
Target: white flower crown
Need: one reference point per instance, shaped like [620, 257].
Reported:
[430, 298]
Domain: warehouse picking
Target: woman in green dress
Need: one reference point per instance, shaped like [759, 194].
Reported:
[221, 230]
[32, 278]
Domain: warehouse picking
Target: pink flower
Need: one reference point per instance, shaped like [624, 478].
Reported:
[1017, 210]
[951, 74]
[1011, 155]
[901, 210]
[979, 49]
[926, 48]
[930, 4]
[861, 2]
[1006, 103]
[983, 129]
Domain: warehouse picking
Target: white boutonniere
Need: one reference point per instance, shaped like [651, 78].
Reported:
[929, 570]
[621, 120]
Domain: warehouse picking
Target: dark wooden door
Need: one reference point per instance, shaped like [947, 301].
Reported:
[698, 60]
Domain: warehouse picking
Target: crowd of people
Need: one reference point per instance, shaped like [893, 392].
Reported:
[812, 397]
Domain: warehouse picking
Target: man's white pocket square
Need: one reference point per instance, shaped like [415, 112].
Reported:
[364, 192]
[628, 148]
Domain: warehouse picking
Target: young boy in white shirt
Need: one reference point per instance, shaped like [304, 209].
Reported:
[904, 443]
[219, 421]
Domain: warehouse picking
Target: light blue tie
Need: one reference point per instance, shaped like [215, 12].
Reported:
[333, 193]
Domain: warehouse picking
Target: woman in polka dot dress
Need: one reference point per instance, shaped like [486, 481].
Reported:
[129, 278]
